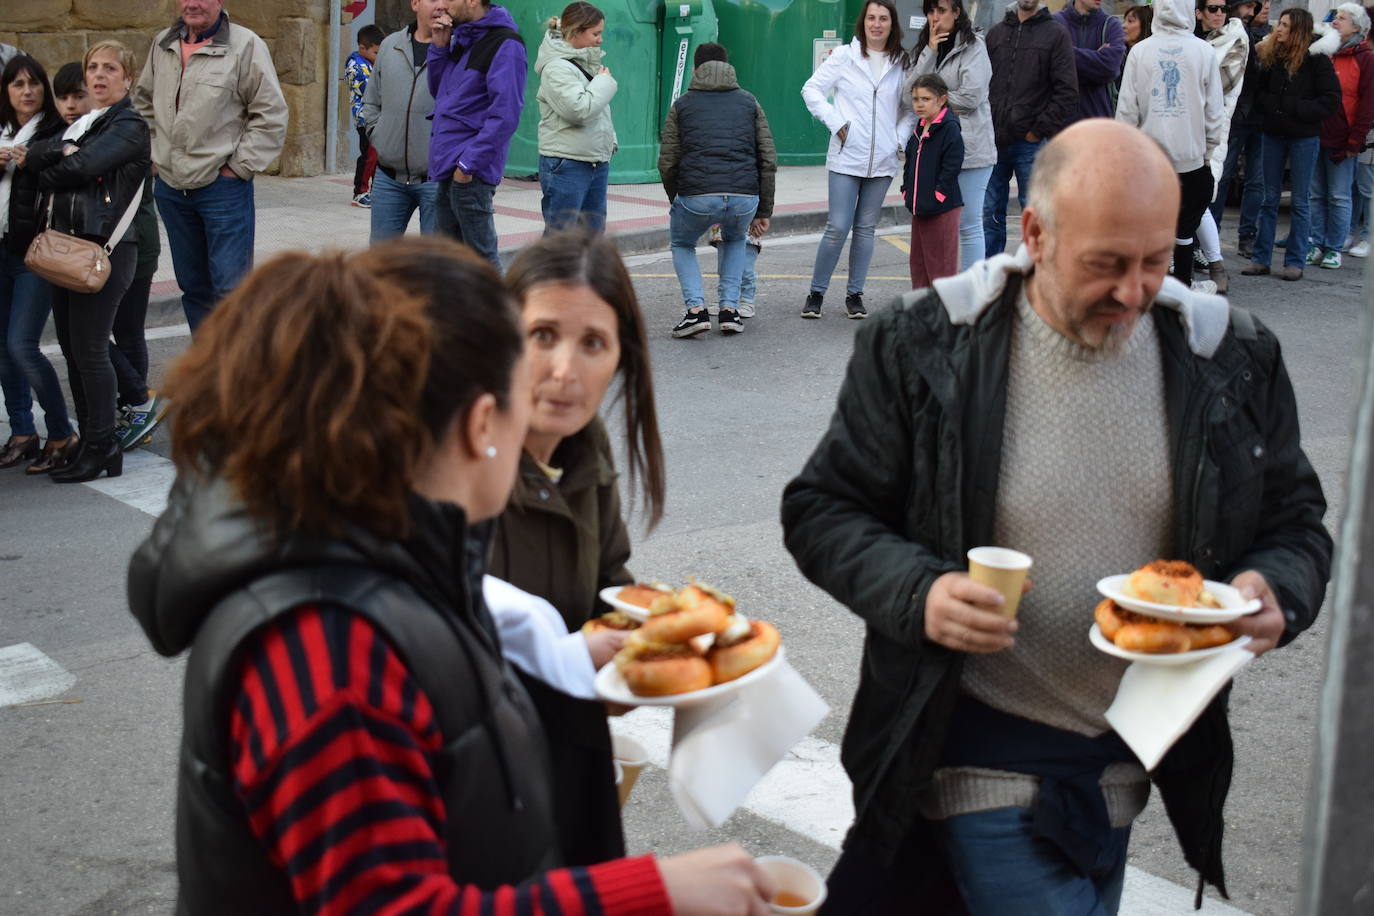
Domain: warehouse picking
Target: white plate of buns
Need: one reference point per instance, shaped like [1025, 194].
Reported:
[1174, 590]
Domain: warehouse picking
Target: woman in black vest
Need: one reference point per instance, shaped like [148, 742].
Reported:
[353, 739]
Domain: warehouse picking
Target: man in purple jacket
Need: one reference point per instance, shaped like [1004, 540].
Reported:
[476, 74]
[1099, 48]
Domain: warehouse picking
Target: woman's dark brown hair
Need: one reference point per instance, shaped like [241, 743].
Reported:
[893, 48]
[578, 16]
[22, 63]
[319, 387]
[580, 258]
[1145, 15]
[1293, 52]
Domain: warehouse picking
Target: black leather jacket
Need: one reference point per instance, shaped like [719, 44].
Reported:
[92, 186]
[26, 202]
[905, 481]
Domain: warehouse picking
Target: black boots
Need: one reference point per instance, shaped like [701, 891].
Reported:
[96, 456]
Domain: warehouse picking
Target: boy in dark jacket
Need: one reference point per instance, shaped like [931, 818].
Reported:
[930, 182]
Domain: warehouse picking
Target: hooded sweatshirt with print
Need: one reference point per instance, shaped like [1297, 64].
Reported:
[1172, 89]
[574, 101]
[878, 118]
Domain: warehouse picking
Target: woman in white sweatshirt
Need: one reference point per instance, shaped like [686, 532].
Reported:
[869, 125]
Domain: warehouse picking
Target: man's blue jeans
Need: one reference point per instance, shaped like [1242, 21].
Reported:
[1016, 159]
[25, 300]
[855, 203]
[1245, 141]
[1332, 183]
[574, 193]
[688, 220]
[1300, 154]
[210, 231]
[466, 211]
[1003, 869]
[393, 203]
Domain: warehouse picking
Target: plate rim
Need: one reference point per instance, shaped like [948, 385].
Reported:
[1104, 645]
[692, 697]
[1177, 612]
[608, 595]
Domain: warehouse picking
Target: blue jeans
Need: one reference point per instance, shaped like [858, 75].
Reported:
[1243, 141]
[574, 192]
[466, 211]
[973, 183]
[393, 203]
[1003, 869]
[25, 300]
[1331, 186]
[210, 232]
[855, 203]
[690, 217]
[1364, 193]
[1300, 154]
[748, 278]
[1019, 158]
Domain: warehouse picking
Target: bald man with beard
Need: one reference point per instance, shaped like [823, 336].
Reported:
[1073, 402]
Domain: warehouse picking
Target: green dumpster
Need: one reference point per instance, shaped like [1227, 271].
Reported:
[633, 43]
[775, 46]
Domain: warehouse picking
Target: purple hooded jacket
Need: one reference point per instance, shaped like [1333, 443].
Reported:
[1099, 48]
[475, 114]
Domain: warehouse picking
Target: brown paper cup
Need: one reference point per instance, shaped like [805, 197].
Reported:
[801, 889]
[631, 757]
[1002, 569]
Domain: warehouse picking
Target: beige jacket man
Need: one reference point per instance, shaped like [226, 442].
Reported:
[225, 109]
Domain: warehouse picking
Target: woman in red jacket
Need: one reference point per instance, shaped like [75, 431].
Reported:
[1342, 138]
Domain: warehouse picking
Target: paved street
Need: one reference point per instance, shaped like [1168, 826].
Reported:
[86, 775]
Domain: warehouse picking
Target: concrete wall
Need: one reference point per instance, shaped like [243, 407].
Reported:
[296, 32]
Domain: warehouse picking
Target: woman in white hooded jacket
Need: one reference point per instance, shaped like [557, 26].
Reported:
[869, 122]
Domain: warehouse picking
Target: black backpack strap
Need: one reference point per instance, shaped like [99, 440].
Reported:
[480, 55]
[581, 69]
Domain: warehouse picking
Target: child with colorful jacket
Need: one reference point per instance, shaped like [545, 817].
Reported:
[930, 182]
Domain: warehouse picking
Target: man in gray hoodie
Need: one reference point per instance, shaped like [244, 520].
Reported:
[396, 109]
[1171, 89]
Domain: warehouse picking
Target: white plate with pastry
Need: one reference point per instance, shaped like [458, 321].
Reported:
[1230, 603]
[611, 686]
[1104, 644]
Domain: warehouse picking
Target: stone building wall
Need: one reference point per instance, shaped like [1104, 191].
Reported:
[296, 32]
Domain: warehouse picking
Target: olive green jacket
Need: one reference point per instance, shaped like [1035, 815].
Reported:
[565, 542]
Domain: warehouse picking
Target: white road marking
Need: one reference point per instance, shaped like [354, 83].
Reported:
[27, 675]
[809, 793]
[161, 333]
[144, 485]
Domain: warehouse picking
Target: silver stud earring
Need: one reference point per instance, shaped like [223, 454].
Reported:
[491, 451]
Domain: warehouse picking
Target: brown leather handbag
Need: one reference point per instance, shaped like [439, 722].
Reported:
[73, 263]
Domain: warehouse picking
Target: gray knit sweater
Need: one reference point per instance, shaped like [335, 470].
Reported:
[1085, 488]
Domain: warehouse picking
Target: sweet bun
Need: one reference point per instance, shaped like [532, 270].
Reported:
[1108, 618]
[1161, 638]
[693, 611]
[1207, 637]
[658, 670]
[611, 620]
[640, 595]
[1172, 582]
[739, 657]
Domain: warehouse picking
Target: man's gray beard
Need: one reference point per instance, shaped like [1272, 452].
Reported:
[1115, 342]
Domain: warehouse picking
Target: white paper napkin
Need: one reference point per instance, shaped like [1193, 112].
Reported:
[1156, 704]
[722, 749]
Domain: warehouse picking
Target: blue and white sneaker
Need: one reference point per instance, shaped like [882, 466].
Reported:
[136, 424]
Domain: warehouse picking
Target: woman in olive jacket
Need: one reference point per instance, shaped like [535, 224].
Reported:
[562, 537]
[93, 171]
[1298, 91]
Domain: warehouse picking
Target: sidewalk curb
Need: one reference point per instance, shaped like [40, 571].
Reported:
[164, 309]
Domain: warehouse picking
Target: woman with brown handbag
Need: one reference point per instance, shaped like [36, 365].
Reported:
[93, 171]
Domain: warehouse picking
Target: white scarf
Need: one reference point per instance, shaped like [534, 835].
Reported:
[22, 137]
[78, 128]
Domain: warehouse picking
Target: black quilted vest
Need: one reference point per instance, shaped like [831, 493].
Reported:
[492, 774]
[719, 152]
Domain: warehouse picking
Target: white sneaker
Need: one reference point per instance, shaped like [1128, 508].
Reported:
[746, 309]
[1204, 286]
[1360, 249]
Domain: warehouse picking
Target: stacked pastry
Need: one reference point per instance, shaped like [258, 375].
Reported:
[1170, 582]
[693, 639]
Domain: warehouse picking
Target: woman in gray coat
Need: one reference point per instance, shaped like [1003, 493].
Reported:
[949, 46]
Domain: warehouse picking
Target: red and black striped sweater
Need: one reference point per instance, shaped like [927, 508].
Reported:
[332, 743]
